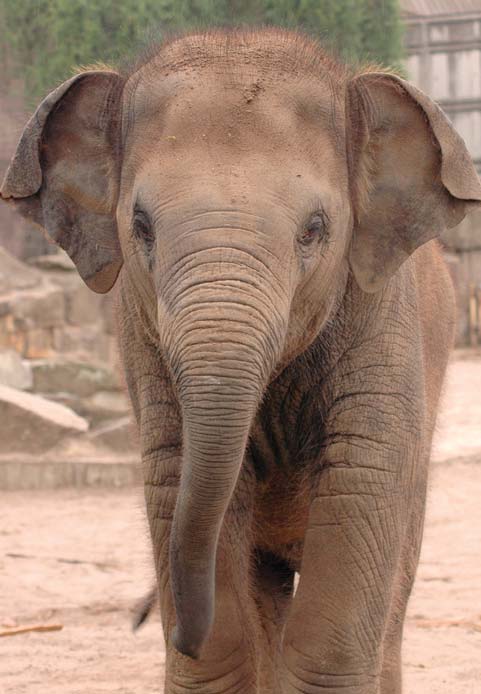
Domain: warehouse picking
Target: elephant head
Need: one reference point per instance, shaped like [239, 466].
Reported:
[237, 180]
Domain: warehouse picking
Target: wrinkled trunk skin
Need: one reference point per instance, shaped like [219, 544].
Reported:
[214, 444]
[222, 341]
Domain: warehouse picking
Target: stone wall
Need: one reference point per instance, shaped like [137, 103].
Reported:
[62, 400]
[46, 310]
[443, 46]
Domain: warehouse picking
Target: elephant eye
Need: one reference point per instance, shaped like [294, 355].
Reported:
[314, 230]
[143, 229]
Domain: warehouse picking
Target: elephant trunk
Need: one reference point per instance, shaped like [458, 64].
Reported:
[223, 350]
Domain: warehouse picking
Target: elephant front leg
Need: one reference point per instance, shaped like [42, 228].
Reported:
[334, 638]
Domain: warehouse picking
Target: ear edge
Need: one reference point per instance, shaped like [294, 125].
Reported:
[102, 281]
[22, 185]
[462, 192]
[438, 123]
[15, 183]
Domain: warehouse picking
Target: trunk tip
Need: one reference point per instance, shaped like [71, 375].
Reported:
[186, 644]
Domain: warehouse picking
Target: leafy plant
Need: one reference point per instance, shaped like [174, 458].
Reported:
[44, 40]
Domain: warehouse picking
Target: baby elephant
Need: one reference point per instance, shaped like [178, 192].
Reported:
[285, 321]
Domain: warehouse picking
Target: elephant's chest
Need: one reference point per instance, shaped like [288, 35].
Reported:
[281, 512]
[285, 450]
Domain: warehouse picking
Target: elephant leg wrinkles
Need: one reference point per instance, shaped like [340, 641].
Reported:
[342, 631]
[273, 590]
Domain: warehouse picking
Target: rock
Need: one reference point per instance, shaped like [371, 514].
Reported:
[105, 405]
[37, 344]
[4, 308]
[98, 408]
[84, 306]
[40, 308]
[60, 375]
[85, 342]
[32, 424]
[31, 344]
[31, 308]
[15, 275]
[118, 436]
[15, 372]
[57, 262]
[13, 341]
[109, 310]
[109, 401]
[51, 311]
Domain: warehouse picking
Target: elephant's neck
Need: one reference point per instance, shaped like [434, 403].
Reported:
[288, 432]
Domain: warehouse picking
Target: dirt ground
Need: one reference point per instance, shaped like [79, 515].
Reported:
[81, 559]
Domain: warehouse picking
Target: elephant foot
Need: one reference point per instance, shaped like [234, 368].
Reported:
[186, 675]
[308, 675]
[323, 683]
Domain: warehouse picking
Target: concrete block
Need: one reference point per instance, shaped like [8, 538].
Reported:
[119, 436]
[14, 371]
[61, 375]
[32, 424]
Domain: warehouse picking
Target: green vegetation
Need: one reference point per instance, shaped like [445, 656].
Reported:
[45, 39]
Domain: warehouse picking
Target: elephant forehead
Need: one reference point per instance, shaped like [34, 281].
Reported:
[237, 110]
[251, 184]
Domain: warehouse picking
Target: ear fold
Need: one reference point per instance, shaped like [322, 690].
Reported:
[64, 174]
[412, 176]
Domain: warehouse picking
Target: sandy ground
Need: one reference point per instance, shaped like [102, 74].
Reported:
[81, 558]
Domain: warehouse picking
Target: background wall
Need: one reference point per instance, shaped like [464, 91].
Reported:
[443, 58]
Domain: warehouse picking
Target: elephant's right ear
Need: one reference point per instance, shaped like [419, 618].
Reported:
[65, 173]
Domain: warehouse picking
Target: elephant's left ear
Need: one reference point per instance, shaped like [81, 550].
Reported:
[411, 174]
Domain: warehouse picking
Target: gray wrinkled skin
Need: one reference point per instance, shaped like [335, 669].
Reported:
[285, 319]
